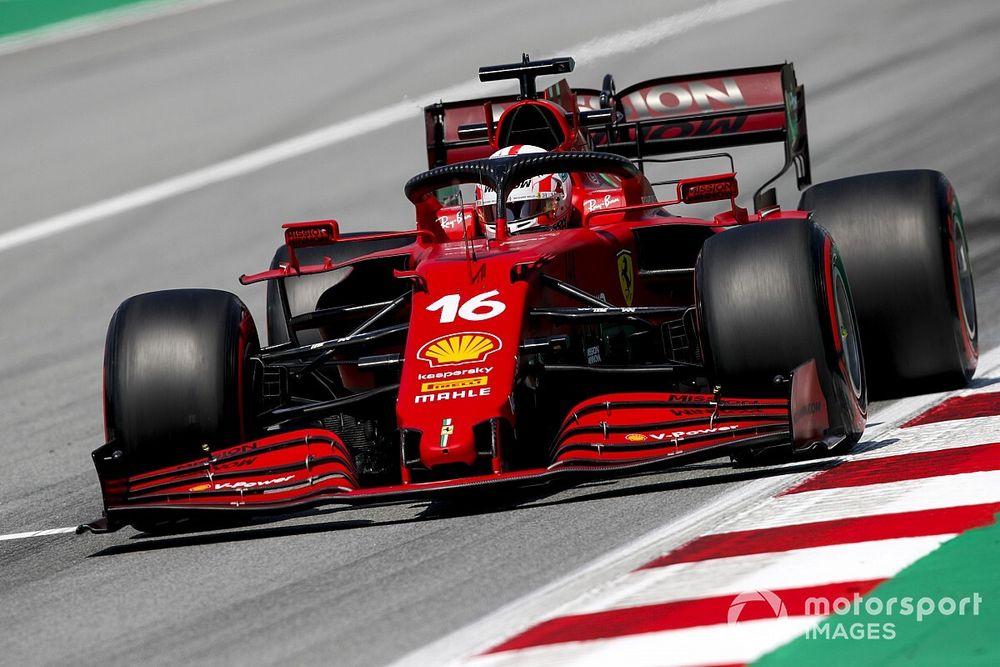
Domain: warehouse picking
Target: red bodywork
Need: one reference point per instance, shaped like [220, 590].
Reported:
[477, 307]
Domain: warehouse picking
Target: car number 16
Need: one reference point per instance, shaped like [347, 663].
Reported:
[478, 308]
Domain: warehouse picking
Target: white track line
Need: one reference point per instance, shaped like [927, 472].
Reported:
[98, 22]
[38, 533]
[618, 43]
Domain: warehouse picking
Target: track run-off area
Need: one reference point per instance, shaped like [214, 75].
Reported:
[770, 571]
[165, 152]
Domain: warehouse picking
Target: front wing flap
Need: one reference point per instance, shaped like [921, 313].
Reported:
[627, 428]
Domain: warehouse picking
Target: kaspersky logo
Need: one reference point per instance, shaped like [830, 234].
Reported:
[461, 348]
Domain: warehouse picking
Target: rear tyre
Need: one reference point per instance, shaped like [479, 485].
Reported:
[176, 375]
[903, 242]
[772, 296]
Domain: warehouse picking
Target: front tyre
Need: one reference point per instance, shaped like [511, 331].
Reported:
[772, 296]
[176, 375]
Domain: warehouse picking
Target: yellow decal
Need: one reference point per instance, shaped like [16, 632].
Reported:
[636, 437]
[459, 348]
[626, 275]
[444, 385]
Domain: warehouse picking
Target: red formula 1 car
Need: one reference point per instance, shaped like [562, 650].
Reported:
[550, 314]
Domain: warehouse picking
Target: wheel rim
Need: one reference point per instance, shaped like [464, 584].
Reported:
[847, 330]
[963, 267]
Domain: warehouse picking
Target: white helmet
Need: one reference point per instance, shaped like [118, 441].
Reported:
[541, 201]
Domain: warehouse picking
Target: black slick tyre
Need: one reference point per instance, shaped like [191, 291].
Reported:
[176, 375]
[903, 243]
[770, 297]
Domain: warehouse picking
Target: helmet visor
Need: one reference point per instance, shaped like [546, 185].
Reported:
[523, 209]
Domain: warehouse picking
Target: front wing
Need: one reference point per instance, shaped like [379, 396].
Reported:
[613, 435]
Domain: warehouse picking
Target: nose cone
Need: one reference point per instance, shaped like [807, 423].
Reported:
[461, 358]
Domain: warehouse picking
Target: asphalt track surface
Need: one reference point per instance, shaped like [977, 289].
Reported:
[889, 85]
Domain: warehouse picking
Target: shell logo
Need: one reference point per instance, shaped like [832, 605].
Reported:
[201, 487]
[460, 348]
[636, 437]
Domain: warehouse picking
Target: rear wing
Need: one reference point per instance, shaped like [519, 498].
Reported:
[669, 115]
[709, 111]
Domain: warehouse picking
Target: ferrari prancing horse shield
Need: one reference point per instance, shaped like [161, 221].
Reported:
[626, 275]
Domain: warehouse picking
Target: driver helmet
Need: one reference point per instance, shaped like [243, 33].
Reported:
[540, 202]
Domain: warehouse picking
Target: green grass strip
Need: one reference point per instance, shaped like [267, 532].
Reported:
[21, 15]
[964, 568]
